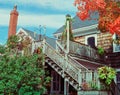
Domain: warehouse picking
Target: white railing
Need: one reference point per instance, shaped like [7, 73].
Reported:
[83, 50]
[61, 61]
[70, 66]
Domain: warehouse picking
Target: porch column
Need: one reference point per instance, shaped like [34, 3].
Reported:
[79, 80]
[66, 87]
[68, 35]
[97, 79]
[78, 92]
[65, 90]
[88, 76]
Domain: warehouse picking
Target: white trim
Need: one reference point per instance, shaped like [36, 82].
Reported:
[24, 33]
[116, 47]
[20, 31]
[85, 28]
[94, 35]
[78, 30]
[117, 70]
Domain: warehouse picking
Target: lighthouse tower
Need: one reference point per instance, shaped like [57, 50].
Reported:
[13, 22]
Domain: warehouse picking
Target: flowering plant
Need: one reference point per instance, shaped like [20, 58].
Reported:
[85, 86]
[106, 74]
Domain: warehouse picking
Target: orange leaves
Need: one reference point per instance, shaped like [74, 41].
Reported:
[83, 15]
[109, 13]
[100, 3]
[115, 26]
[85, 7]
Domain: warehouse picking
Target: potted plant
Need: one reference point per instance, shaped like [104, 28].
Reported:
[106, 74]
[101, 51]
[85, 86]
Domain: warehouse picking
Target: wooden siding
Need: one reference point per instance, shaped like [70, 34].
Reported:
[80, 39]
[103, 40]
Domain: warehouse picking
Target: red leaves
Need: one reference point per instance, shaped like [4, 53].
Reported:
[86, 6]
[115, 26]
[83, 15]
[109, 13]
[100, 3]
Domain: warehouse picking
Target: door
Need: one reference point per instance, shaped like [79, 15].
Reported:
[91, 42]
[56, 83]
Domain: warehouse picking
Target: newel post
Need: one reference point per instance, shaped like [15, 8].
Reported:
[79, 81]
[68, 17]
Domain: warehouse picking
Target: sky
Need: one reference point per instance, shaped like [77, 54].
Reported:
[35, 13]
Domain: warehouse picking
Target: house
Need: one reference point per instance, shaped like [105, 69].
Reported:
[86, 32]
[71, 69]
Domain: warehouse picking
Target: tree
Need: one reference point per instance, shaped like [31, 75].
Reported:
[108, 10]
[12, 42]
[2, 49]
[22, 75]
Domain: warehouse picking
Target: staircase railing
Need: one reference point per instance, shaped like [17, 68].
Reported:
[60, 60]
[81, 49]
[70, 66]
[114, 88]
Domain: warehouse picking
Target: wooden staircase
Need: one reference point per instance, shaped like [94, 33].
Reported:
[67, 67]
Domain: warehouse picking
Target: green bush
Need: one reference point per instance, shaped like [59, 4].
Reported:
[22, 74]
[106, 74]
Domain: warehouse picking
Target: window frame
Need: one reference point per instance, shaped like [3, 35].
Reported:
[88, 36]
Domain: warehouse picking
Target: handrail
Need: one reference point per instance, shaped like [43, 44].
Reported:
[60, 60]
[70, 68]
[70, 58]
[57, 43]
[77, 63]
[83, 50]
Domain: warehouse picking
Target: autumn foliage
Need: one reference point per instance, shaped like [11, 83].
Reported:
[108, 10]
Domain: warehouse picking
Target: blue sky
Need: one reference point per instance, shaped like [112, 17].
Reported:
[32, 13]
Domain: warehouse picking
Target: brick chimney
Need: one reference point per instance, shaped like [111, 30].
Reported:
[13, 22]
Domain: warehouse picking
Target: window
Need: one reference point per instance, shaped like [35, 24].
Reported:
[91, 40]
[116, 47]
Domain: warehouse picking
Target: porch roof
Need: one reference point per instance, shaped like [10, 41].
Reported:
[89, 64]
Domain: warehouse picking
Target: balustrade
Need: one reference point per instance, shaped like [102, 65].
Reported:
[69, 66]
[81, 49]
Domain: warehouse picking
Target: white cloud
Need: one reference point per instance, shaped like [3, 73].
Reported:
[56, 4]
[53, 21]
[4, 17]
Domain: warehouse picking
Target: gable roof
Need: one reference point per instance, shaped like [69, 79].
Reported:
[77, 23]
[36, 37]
